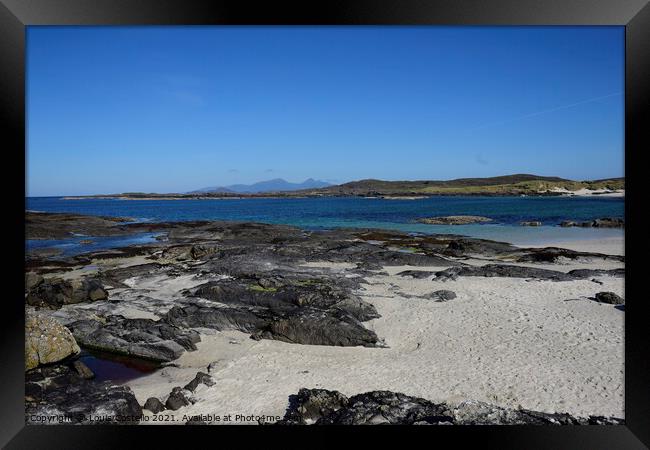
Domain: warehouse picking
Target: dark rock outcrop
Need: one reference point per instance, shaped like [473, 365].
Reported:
[278, 294]
[56, 292]
[316, 327]
[304, 326]
[59, 395]
[510, 271]
[291, 309]
[501, 270]
[143, 338]
[323, 407]
[310, 405]
[42, 225]
[552, 254]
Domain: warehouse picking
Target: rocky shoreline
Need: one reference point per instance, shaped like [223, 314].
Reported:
[271, 283]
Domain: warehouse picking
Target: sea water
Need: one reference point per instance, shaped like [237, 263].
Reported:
[332, 212]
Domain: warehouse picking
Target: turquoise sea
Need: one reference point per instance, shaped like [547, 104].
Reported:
[332, 212]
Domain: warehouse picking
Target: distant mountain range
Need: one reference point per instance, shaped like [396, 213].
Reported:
[275, 185]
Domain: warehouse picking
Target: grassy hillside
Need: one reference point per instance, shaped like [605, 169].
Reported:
[520, 184]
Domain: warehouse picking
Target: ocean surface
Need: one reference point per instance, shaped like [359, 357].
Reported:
[333, 212]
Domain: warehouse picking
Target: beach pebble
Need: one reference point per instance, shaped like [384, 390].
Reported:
[442, 295]
[176, 399]
[154, 405]
[609, 297]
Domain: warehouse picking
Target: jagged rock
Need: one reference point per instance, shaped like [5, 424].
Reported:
[83, 370]
[323, 407]
[200, 378]
[302, 311]
[46, 341]
[154, 405]
[56, 292]
[144, 338]
[177, 399]
[442, 295]
[310, 405]
[62, 394]
[609, 297]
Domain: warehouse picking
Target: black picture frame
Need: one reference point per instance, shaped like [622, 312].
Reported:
[634, 15]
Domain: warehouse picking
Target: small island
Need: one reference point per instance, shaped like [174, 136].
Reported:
[454, 220]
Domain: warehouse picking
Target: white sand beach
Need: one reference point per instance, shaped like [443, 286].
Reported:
[539, 345]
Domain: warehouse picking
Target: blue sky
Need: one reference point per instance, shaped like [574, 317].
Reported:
[172, 109]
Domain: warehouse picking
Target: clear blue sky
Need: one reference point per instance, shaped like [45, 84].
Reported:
[172, 109]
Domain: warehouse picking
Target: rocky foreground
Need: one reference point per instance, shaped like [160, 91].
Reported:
[159, 301]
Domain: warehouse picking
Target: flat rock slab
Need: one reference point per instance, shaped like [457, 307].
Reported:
[511, 271]
[142, 338]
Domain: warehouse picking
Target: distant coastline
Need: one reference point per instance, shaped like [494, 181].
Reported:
[509, 185]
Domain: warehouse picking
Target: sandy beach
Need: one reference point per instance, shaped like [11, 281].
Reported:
[512, 342]
[267, 310]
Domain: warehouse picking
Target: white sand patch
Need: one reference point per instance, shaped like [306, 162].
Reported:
[539, 345]
[589, 192]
